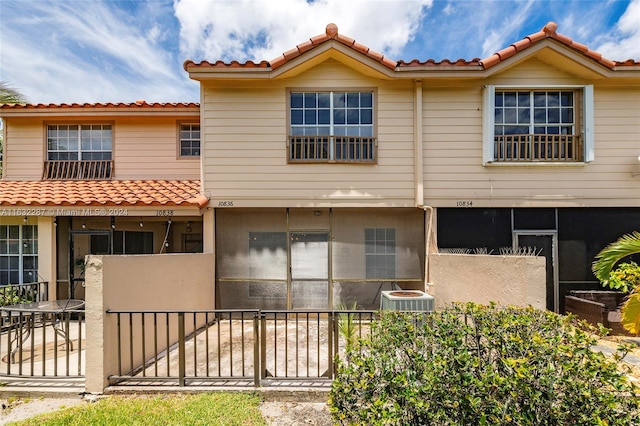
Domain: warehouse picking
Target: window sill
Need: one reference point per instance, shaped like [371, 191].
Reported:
[333, 162]
[536, 164]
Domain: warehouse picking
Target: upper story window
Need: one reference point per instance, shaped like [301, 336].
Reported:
[538, 125]
[332, 127]
[79, 151]
[79, 142]
[189, 140]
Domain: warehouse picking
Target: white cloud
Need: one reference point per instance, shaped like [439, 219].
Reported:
[117, 51]
[260, 30]
[624, 42]
[448, 9]
[504, 34]
[67, 51]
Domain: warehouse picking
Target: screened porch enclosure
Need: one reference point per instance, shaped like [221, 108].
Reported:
[316, 258]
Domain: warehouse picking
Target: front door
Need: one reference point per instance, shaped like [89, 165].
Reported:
[309, 270]
[545, 244]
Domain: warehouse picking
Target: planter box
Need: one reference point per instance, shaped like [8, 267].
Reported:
[597, 307]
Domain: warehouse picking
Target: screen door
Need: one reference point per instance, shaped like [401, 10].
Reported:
[309, 270]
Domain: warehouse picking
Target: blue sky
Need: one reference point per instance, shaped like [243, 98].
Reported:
[67, 51]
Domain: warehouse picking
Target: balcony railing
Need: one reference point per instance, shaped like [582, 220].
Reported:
[532, 147]
[12, 294]
[339, 149]
[78, 169]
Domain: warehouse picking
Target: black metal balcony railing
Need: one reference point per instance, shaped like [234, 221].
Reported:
[12, 294]
[340, 149]
[532, 147]
[78, 169]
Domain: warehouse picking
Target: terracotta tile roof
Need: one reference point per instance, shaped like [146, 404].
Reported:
[331, 33]
[549, 31]
[122, 193]
[443, 63]
[131, 105]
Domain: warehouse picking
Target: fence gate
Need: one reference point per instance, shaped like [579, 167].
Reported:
[238, 347]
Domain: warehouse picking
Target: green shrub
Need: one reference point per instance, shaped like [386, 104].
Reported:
[480, 365]
[12, 295]
[626, 277]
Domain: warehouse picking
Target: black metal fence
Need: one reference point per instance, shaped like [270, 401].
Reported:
[39, 338]
[12, 294]
[250, 348]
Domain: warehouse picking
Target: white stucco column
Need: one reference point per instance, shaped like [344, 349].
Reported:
[96, 357]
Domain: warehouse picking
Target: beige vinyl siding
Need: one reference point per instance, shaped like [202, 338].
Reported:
[147, 148]
[24, 151]
[143, 147]
[453, 169]
[245, 128]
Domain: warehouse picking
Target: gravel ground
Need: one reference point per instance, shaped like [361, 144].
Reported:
[296, 413]
[14, 408]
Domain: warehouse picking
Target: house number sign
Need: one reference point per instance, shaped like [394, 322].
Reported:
[464, 203]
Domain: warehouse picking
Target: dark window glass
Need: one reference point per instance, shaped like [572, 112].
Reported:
[527, 219]
[296, 100]
[474, 228]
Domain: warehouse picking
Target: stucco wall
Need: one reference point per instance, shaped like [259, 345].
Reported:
[513, 280]
[138, 283]
[143, 147]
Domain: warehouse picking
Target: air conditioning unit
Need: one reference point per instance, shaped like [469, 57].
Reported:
[407, 300]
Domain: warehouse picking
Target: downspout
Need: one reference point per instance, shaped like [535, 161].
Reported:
[418, 167]
[417, 146]
[428, 226]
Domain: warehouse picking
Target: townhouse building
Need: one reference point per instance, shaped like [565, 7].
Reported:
[333, 172]
[96, 179]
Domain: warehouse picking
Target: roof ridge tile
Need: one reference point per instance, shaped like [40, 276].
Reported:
[331, 33]
[347, 41]
[548, 31]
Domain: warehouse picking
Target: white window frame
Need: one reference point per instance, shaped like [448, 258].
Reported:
[189, 127]
[380, 246]
[79, 151]
[488, 124]
[332, 126]
[27, 247]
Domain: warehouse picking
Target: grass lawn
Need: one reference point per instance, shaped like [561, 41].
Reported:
[220, 408]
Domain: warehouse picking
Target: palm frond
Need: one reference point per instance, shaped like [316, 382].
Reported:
[631, 314]
[9, 95]
[607, 258]
[346, 325]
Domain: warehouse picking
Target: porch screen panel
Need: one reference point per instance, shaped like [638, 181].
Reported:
[267, 254]
[251, 259]
[375, 251]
